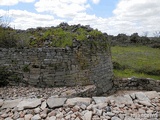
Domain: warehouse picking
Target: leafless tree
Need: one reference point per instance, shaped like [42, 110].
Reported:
[145, 33]
[156, 34]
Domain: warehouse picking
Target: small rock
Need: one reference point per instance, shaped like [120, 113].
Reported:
[88, 115]
[110, 114]
[73, 115]
[55, 102]
[43, 105]
[76, 108]
[28, 116]
[149, 111]
[36, 117]
[4, 115]
[52, 113]
[68, 117]
[9, 118]
[99, 112]
[43, 115]
[59, 116]
[20, 119]
[147, 103]
[89, 107]
[141, 111]
[115, 118]
[52, 118]
[1, 102]
[77, 118]
[108, 109]
[83, 106]
[121, 116]
[37, 110]
[16, 116]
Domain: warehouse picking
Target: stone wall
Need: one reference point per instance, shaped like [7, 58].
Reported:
[81, 64]
[137, 84]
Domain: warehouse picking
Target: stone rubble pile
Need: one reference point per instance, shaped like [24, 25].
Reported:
[129, 106]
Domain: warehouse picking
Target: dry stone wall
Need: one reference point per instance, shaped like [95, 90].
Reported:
[80, 64]
[137, 84]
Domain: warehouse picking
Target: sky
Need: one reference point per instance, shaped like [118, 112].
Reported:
[110, 16]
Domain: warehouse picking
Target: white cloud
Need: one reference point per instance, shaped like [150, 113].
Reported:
[62, 8]
[95, 1]
[141, 15]
[25, 19]
[13, 2]
[128, 17]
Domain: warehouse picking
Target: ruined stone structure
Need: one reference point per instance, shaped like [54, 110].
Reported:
[137, 84]
[81, 64]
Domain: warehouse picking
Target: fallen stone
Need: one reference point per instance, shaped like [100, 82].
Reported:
[59, 116]
[146, 103]
[77, 118]
[78, 100]
[69, 93]
[88, 115]
[52, 113]
[52, 118]
[29, 103]
[89, 107]
[99, 112]
[55, 102]
[43, 105]
[100, 99]
[43, 115]
[20, 119]
[9, 118]
[4, 115]
[124, 99]
[36, 117]
[37, 110]
[16, 115]
[83, 106]
[151, 94]
[28, 116]
[110, 114]
[11, 103]
[115, 118]
[141, 96]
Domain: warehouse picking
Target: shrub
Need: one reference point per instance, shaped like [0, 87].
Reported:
[7, 76]
[7, 38]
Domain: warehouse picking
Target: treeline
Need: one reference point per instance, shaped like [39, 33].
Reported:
[135, 39]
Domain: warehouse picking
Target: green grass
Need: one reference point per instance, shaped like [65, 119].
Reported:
[138, 61]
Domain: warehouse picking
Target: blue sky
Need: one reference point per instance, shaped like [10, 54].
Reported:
[110, 16]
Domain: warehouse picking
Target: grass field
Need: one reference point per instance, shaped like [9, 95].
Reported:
[138, 61]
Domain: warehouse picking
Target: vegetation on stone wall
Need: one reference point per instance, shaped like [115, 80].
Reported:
[7, 37]
[7, 76]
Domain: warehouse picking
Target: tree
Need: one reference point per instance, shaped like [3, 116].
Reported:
[156, 34]
[145, 33]
[7, 35]
[134, 38]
